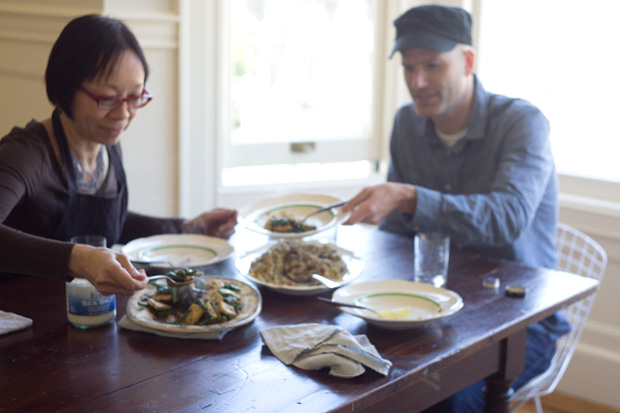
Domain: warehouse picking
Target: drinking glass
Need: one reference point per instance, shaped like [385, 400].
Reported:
[431, 257]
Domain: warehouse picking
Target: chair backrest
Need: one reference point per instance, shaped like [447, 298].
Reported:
[578, 254]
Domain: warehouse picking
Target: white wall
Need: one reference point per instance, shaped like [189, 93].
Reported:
[28, 29]
[155, 151]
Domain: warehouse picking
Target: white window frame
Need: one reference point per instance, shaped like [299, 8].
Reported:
[353, 148]
[333, 150]
[202, 83]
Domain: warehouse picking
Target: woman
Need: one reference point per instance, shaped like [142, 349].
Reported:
[64, 176]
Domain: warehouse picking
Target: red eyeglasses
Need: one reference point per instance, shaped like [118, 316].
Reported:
[113, 102]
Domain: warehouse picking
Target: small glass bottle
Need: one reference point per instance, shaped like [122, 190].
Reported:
[87, 307]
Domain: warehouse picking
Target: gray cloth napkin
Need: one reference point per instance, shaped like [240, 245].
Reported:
[314, 346]
[10, 322]
[126, 323]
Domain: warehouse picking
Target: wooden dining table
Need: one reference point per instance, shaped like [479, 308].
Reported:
[53, 366]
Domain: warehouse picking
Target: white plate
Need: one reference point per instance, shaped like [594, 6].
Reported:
[426, 302]
[355, 266]
[181, 250]
[256, 215]
[251, 297]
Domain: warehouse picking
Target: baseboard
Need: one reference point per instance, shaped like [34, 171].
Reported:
[594, 371]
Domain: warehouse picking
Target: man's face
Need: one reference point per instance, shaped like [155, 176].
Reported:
[437, 80]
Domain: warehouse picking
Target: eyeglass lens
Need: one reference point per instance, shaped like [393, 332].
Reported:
[114, 102]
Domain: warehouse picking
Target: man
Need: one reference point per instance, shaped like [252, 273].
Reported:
[471, 164]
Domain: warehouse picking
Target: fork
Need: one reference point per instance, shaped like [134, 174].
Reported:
[326, 208]
[339, 304]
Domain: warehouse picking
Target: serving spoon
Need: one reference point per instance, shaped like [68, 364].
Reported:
[163, 261]
[326, 281]
[149, 262]
[326, 208]
[171, 281]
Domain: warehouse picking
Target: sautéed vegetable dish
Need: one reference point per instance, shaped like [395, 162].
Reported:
[200, 303]
[285, 224]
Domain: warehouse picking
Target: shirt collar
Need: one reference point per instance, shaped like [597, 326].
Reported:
[476, 127]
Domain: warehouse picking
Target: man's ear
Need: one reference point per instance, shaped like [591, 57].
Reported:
[470, 58]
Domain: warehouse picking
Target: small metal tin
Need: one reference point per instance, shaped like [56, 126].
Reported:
[490, 282]
[515, 291]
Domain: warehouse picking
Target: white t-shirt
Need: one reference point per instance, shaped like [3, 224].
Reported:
[450, 139]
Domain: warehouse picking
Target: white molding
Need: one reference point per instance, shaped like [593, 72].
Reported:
[220, 84]
[597, 331]
[155, 30]
[42, 10]
[27, 37]
[145, 17]
[600, 223]
[343, 189]
[588, 350]
[610, 209]
[590, 188]
[593, 375]
[21, 74]
[38, 26]
[197, 106]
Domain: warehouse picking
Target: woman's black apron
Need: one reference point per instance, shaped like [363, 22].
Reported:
[89, 214]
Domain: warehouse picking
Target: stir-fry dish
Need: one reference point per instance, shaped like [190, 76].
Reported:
[292, 262]
[184, 274]
[285, 224]
[200, 303]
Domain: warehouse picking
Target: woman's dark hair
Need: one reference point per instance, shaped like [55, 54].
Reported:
[88, 47]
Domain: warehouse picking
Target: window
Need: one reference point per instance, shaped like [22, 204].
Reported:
[561, 56]
[301, 86]
[525, 48]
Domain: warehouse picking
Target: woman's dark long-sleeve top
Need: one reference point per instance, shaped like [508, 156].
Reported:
[33, 198]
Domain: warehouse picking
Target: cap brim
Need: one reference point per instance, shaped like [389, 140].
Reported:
[424, 40]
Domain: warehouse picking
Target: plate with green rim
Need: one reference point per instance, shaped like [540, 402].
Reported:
[179, 250]
[355, 266]
[250, 296]
[424, 302]
[293, 206]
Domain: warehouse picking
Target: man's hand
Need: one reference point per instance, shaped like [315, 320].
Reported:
[376, 203]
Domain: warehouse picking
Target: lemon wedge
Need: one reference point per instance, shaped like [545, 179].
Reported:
[401, 313]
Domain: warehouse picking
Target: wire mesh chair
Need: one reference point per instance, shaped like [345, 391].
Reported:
[579, 254]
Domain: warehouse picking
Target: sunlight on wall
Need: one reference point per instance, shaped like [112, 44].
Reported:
[562, 57]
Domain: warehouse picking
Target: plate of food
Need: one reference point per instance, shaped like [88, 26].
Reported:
[286, 266]
[283, 216]
[177, 250]
[398, 304]
[209, 304]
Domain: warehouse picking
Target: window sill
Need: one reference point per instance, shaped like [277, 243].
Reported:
[341, 188]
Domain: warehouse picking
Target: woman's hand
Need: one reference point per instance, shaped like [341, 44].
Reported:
[219, 222]
[109, 271]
